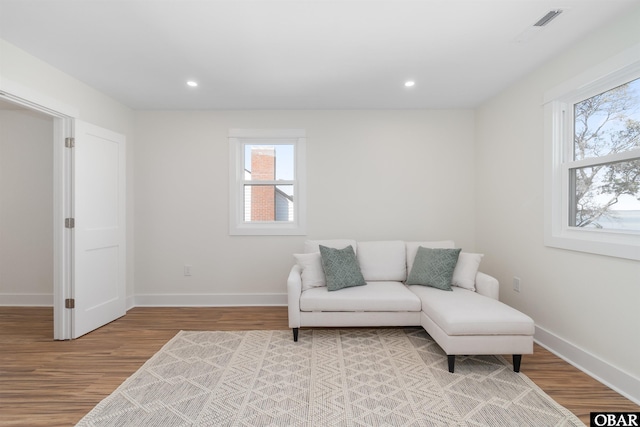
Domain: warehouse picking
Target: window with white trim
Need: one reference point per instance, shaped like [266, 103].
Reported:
[267, 182]
[593, 161]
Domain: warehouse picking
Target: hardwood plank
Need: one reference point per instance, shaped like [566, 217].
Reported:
[55, 383]
[572, 388]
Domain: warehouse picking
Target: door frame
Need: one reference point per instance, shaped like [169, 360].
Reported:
[63, 117]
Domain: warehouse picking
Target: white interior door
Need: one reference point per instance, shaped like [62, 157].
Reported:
[99, 287]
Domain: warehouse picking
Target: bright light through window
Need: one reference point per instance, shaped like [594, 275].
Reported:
[267, 182]
[605, 193]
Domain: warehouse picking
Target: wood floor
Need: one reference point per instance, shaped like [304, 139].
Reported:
[55, 383]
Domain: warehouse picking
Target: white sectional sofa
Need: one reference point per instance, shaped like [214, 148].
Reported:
[466, 320]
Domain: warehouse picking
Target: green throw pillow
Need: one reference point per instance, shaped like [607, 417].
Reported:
[434, 267]
[341, 268]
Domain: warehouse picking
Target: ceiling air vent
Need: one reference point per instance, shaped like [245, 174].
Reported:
[547, 18]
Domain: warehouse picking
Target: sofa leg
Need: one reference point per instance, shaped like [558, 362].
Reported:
[451, 359]
[517, 358]
[295, 334]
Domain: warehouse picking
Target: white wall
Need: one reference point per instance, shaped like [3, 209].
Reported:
[23, 72]
[26, 208]
[585, 306]
[371, 175]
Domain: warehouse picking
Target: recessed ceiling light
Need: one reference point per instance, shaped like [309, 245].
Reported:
[192, 83]
[409, 83]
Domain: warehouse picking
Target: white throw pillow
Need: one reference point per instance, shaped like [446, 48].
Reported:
[312, 272]
[464, 275]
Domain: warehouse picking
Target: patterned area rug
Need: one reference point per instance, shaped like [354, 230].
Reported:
[330, 377]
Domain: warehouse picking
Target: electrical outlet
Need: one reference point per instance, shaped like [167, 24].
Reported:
[187, 270]
[516, 284]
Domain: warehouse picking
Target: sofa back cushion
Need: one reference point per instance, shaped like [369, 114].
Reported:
[311, 246]
[384, 260]
[412, 249]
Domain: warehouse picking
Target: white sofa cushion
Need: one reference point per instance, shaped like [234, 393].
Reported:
[464, 275]
[312, 272]
[385, 260]
[311, 246]
[375, 296]
[463, 312]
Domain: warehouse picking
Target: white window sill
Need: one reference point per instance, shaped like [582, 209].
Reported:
[599, 242]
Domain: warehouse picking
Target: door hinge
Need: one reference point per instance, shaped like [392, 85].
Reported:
[69, 142]
[69, 222]
[70, 303]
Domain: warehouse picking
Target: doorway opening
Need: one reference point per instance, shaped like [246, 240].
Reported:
[26, 206]
[33, 200]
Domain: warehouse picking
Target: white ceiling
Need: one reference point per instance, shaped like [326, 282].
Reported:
[299, 54]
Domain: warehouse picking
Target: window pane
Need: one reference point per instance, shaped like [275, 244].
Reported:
[268, 203]
[268, 162]
[606, 196]
[608, 122]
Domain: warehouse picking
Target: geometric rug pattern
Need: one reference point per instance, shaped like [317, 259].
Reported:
[358, 377]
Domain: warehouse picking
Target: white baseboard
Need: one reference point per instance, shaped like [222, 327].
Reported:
[208, 300]
[26, 300]
[614, 378]
[161, 300]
